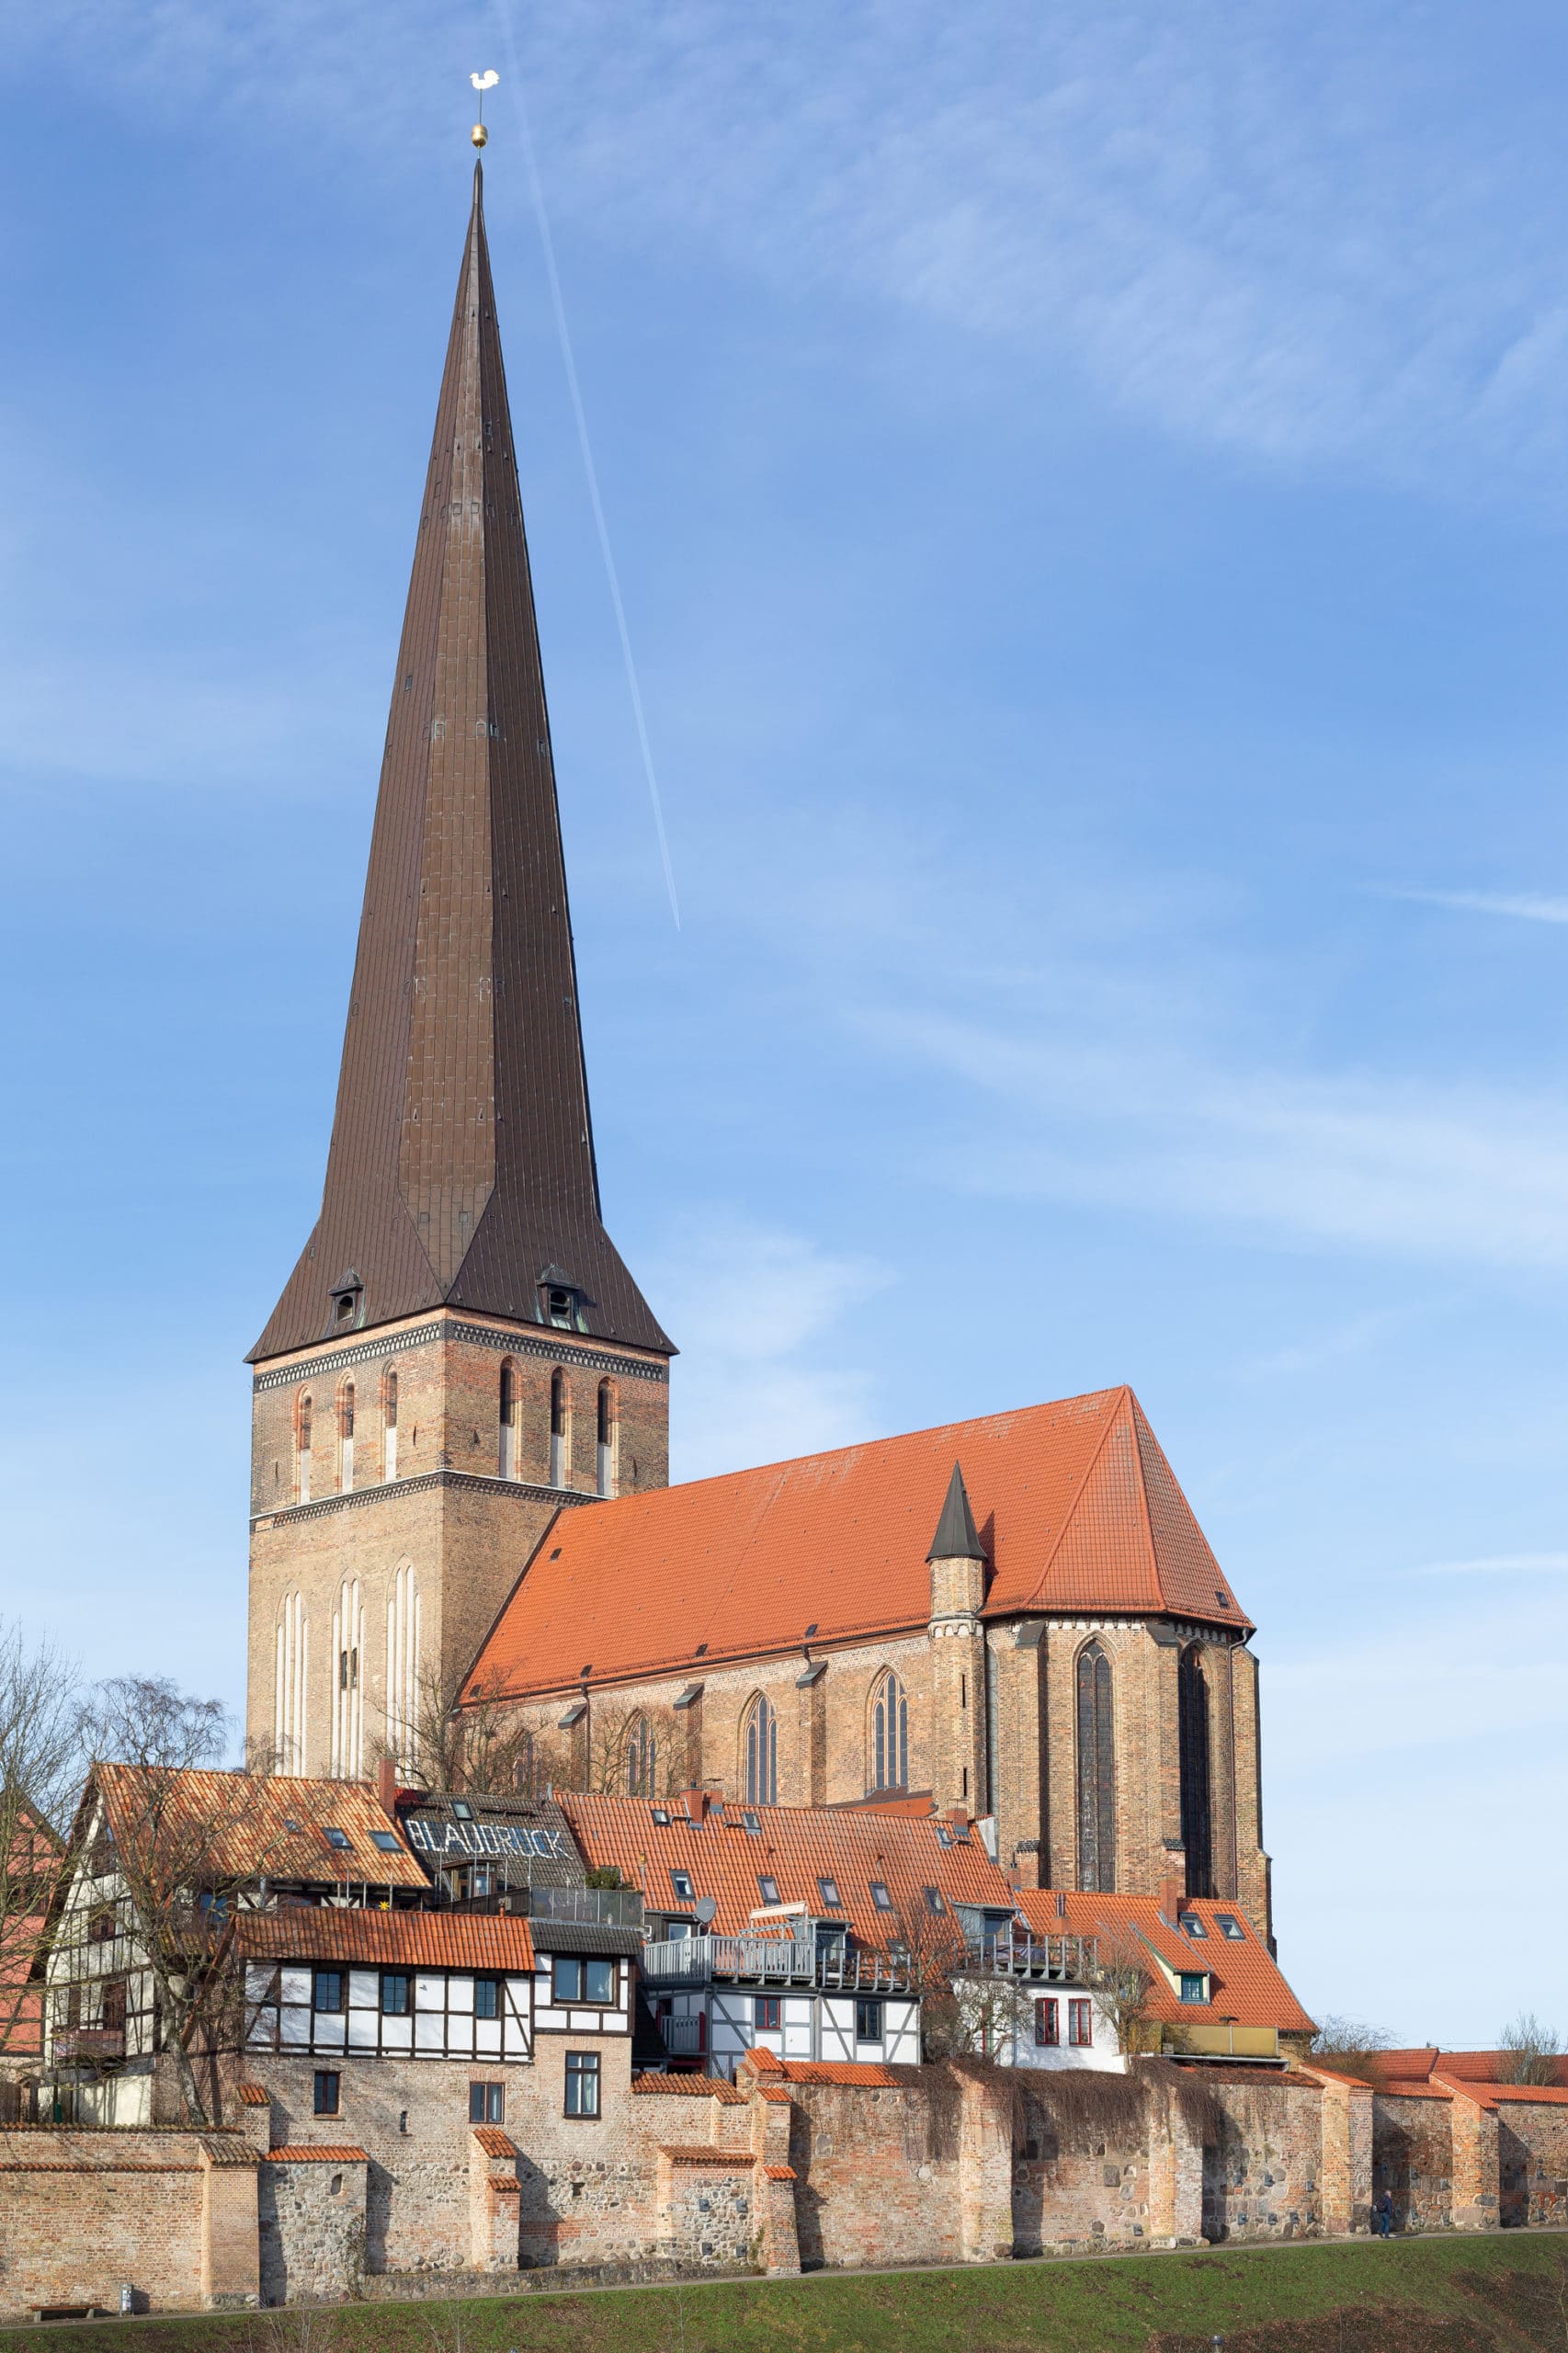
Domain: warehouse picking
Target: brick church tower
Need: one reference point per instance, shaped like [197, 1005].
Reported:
[461, 1350]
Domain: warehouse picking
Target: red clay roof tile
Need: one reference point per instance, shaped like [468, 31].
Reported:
[707, 2153]
[387, 1940]
[1248, 1988]
[689, 2088]
[329, 2153]
[273, 1824]
[494, 2141]
[1077, 1505]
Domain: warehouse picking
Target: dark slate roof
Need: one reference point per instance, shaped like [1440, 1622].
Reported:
[461, 1162]
[956, 1538]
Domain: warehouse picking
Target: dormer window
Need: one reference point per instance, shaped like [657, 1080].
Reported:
[559, 1303]
[346, 1293]
[561, 1299]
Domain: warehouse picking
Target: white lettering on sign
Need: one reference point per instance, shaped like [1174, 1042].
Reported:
[500, 1839]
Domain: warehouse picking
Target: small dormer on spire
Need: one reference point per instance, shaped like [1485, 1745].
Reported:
[957, 1538]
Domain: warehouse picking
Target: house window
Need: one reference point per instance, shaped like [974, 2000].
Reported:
[1229, 1926]
[642, 1758]
[395, 1993]
[583, 1981]
[486, 1997]
[389, 1425]
[890, 1736]
[880, 1895]
[1192, 1925]
[867, 2021]
[1081, 2024]
[388, 1841]
[326, 2091]
[1047, 2023]
[934, 1904]
[828, 1891]
[338, 1839]
[487, 2103]
[328, 1990]
[582, 2083]
[768, 2012]
[1192, 1746]
[761, 1753]
[559, 1417]
[607, 1423]
[509, 1422]
[112, 2011]
[685, 1891]
[100, 1928]
[768, 1887]
[1194, 1985]
[1096, 1772]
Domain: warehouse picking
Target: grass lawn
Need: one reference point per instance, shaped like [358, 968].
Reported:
[1497, 2294]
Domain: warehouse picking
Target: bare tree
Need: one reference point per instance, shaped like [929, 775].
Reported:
[629, 1745]
[164, 1844]
[1532, 2052]
[468, 1741]
[40, 1770]
[1350, 2046]
[1120, 1976]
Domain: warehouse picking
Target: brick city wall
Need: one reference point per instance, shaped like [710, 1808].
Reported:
[1262, 2167]
[1413, 2158]
[171, 2215]
[1532, 2161]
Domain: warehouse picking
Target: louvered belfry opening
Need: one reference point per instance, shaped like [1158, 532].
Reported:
[461, 1162]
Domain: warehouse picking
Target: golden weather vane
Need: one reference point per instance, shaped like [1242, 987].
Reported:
[483, 82]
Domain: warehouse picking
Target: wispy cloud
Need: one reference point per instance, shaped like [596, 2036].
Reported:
[1497, 1565]
[1352, 1339]
[1527, 906]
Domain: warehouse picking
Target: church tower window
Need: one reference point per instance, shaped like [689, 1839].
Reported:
[761, 1752]
[1096, 1772]
[291, 1686]
[890, 1736]
[1192, 1742]
[642, 1758]
[559, 1427]
[508, 1420]
[302, 1448]
[389, 1423]
[403, 1670]
[346, 1437]
[606, 1437]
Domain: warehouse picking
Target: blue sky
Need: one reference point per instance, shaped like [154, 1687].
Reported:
[1089, 490]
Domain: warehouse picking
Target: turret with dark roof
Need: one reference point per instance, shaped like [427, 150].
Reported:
[461, 1164]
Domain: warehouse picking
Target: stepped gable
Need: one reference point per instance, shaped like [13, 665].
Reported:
[461, 1163]
[1075, 1504]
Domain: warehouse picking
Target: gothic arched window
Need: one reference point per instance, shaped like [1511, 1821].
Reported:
[510, 1420]
[302, 1448]
[889, 1735]
[642, 1758]
[606, 1437]
[389, 1423]
[760, 1750]
[346, 1437]
[559, 1427]
[1096, 1772]
[1192, 1743]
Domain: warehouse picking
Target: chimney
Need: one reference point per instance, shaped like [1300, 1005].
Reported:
[386, 1785]
[696, 1804]
[960, 1815]
[1027, 1863]
[1173, 1898]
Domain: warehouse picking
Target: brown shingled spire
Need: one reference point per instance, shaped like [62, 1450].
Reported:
[462, 1164]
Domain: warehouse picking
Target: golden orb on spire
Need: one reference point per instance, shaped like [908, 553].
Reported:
[479, 134]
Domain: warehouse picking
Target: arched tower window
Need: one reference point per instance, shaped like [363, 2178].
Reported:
[1192, 1741]
[642, 1758]
[889, 1735]
[346, 1437]
[302, 1448]
[347, 1689]
[291, 1686]
[1096, 1772]
[389, 1423]
[403, 1669]
[760, 1752]
[559, 1427]
[606, 1437]
[508, 1420]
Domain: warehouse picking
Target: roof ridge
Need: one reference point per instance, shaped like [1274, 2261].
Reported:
[1071, 1513]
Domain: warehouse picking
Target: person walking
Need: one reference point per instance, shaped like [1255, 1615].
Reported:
[1383, 2213]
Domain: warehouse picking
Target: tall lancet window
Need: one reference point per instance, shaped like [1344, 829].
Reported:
[403, 1670]
[389, 1423]
[761, 1753]
[347, 1691]
[1192, 1742]
[291, 1686]
[346, 1437]
[1096, 1772]
[642, 1758]
[559, 1427]
[302, 1449]
[607, 1438]
[889, 1759]
[509, 1421]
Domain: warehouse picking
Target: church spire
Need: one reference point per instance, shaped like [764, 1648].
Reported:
[461, 1164]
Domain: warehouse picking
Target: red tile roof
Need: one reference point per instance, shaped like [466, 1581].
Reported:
[1248, 1987]
[494, 2141]
[387, 1940]
[252, 2096]
[272, 1824]
[797, 1846]
[708, 2153]
[862, 2075]
[1075, 1503]
[1462, 2066]
[689, 2088]
[779, 2173]
[329, 2153]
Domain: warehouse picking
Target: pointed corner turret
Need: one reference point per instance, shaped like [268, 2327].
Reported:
[956, 1537]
